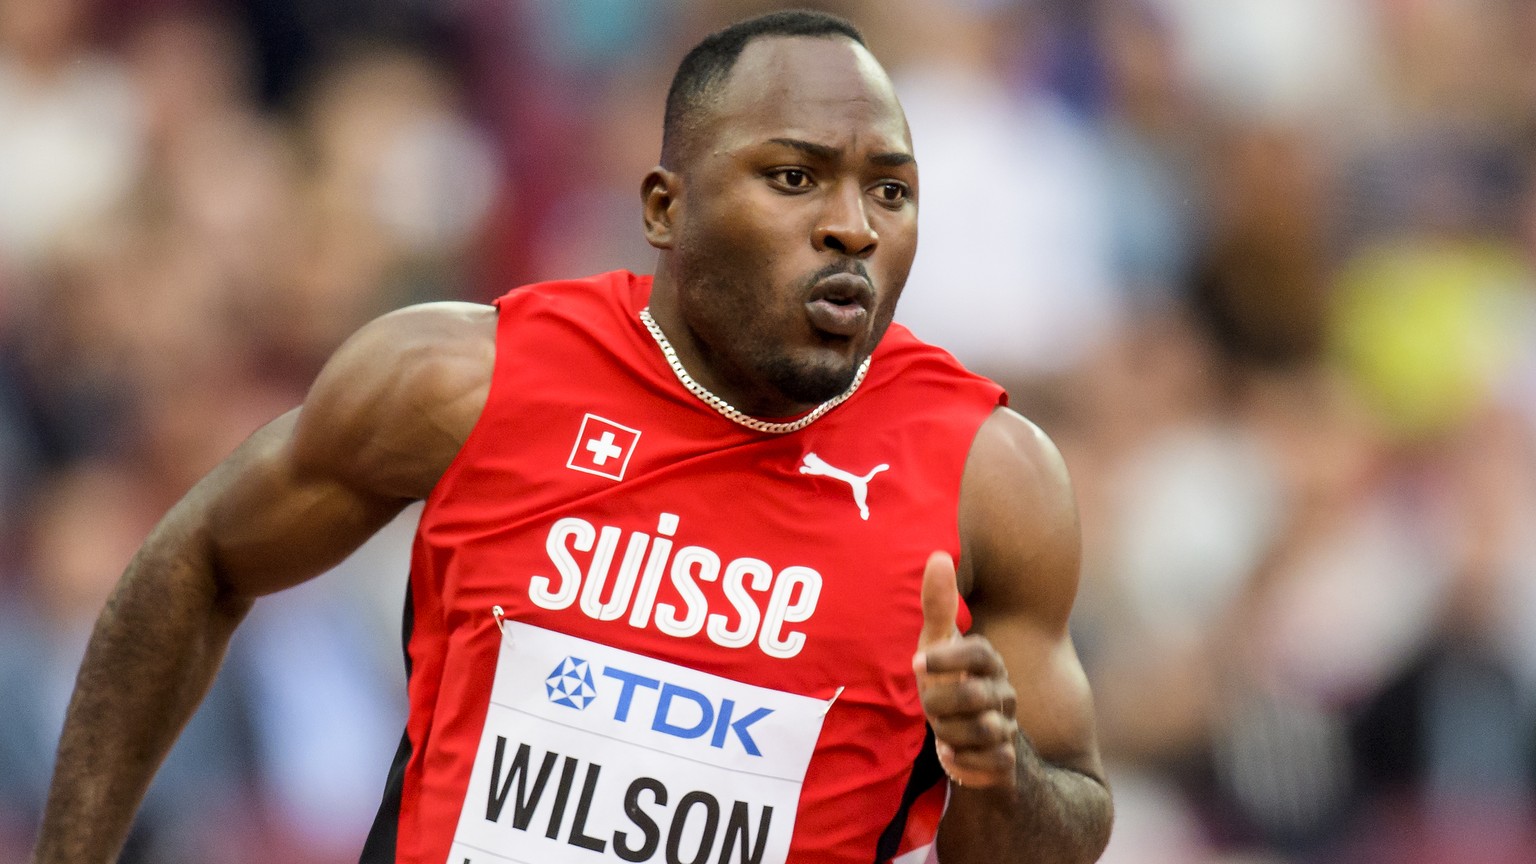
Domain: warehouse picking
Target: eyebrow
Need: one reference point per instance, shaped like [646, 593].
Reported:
[825, 152]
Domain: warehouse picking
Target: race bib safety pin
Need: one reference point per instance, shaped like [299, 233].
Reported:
[828, 707]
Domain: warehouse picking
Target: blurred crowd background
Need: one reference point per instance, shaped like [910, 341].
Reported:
[1264, 269]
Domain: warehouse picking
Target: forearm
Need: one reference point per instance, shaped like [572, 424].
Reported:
[1053, 815]
[155, 651]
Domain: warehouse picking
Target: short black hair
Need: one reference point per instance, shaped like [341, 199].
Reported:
[709, 64]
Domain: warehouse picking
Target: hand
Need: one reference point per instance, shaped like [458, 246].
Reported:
[964, 689]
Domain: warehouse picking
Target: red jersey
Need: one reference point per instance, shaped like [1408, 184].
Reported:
[639, 631]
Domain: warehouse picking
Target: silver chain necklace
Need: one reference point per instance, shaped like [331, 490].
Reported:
[730, 411]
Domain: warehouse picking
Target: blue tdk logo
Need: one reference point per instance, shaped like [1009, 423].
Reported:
[682, 712]
[661, 706]
[571, 684]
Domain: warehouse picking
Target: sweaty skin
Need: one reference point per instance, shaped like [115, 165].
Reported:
[803, 165]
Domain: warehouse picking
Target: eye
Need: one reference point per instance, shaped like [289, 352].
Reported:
[791, 178]
[892, 192]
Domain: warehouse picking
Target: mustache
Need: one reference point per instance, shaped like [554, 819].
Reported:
[839, 268]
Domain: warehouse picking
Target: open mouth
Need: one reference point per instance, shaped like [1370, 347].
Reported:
[840, 304]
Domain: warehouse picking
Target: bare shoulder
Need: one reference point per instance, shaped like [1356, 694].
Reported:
[1018, 519]
[397, 400]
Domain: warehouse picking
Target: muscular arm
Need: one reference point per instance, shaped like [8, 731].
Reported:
[378, 428]
[1010, 704]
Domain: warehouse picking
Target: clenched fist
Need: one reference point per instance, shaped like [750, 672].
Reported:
[964, 689]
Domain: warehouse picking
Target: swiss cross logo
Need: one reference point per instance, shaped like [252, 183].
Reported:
[603, 447]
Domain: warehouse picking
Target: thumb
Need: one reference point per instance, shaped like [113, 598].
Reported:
[941, 600]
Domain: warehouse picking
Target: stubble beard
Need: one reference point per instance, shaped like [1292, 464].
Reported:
[749, 353]
[807, 383]
[762, 358]
[754, 356]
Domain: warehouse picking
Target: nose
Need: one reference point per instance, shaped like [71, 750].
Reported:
[844, 224]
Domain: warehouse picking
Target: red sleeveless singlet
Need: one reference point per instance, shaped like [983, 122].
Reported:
[638, 631]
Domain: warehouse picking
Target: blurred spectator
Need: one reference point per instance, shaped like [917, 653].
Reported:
[1017, 285]
[1302, 62]
[1155, 189]
[594, 225]
[72, 134]
[399, 185]
[1430, 326]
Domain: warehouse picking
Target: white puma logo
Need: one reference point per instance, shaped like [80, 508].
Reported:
[818, 466]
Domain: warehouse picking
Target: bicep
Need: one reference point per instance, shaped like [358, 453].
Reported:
[1019, 521]
[270, 521]
[380, 425]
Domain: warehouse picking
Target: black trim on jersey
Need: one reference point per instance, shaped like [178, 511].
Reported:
[379, 848]
[926, 773]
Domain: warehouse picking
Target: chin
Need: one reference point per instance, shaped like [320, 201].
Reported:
[812, 384]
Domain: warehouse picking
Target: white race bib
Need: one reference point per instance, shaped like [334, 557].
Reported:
[594, 754]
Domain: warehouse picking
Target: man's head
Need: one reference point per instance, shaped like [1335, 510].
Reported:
[705, 68]
[785, 209]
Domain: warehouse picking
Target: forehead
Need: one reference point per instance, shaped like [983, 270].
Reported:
[818, 88]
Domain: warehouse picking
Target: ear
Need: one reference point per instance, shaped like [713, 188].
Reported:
[660, 200]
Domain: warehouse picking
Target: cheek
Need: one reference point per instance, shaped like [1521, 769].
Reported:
[769, 227]
[752, 245]
[730, 235]
[898, 247]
